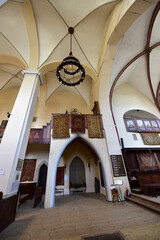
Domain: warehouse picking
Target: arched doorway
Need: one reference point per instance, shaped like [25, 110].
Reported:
[77, 179]
[42, 177]
[54, 159]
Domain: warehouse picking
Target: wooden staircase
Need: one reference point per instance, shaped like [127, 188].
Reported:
[40, 135]
[144, 202]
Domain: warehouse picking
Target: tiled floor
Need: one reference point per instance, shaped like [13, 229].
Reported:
[80, 215]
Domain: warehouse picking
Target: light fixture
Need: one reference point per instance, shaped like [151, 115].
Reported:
[70, 72]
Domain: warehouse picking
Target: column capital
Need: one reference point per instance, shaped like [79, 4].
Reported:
[30, 72]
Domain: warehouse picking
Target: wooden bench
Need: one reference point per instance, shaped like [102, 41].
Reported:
[8, 208]
[153, 189]
[23, 198]
[26, 191]
[38, 196]
[150, 183]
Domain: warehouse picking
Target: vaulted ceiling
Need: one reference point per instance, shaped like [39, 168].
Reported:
[137, 58]
[34, 33]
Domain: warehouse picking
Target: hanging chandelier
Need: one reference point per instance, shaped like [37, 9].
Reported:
[70, 72]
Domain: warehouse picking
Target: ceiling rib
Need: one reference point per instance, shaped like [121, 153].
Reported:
[81, 95]
[84, 53]
[15, 75]
[94, 11]
[53, 50]
[53, 92]
[147, 51]
[15, 49]
[58, 13]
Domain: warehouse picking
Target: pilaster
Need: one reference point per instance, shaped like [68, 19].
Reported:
[15, 138]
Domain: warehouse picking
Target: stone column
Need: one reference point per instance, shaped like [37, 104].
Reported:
[15, 138]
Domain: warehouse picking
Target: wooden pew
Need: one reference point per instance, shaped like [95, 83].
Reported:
[8, 208]
[26, 191]
[150, 183]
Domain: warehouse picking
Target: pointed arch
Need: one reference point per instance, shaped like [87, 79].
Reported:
[77, 175]
[53, 65]
[56, 150]
[42, 177]
[38, 169]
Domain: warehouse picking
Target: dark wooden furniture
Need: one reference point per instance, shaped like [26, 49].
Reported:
[2, 128]
[153, 189]
[27, 188]
[147, 181]
[60, 176]
[150, 183]
[116, 195]
[26, 191]
[38, 196]
[7, 211]
[1, 195]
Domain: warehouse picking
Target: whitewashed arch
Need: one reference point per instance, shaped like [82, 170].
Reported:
[139, 113]
[38, 168]
[57, 148]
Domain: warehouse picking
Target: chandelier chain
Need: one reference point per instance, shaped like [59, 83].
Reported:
[70, 72]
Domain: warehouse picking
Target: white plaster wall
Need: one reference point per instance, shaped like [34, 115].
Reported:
[154, 67]
[39, 152]
[112, 141]
[54, 86]
[111, 136]
[126, 98]
[14, 142]
[78, 149]
[58, 146]
[132, 43]
[9, 27]
[59, 102]
[7, 99]
[49, 36]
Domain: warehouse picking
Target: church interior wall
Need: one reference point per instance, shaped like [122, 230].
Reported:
[57, 148]
[126, 98]
[117, 55]
[7, 99]
[78, 149]
[59, 102]
[39, 152]
[132, 42]
[110, 133]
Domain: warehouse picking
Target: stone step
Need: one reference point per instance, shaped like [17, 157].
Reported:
[146, 200]
[139, 200]
[136, 190]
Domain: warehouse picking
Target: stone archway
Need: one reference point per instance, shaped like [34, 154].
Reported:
[57, 148]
